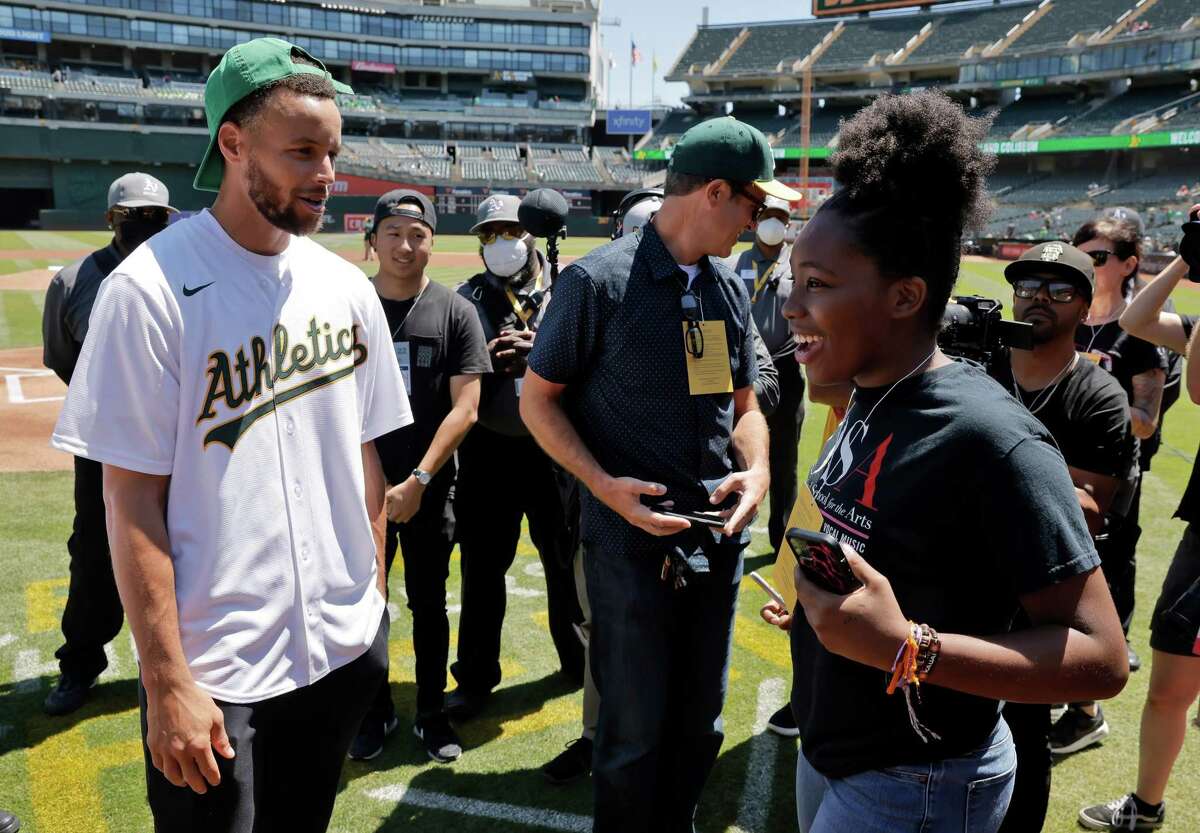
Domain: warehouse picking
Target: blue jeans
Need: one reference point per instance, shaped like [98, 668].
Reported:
[956, 795]
[660, 659]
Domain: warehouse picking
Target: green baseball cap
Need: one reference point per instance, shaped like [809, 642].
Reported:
[725, 148]
[242, 70]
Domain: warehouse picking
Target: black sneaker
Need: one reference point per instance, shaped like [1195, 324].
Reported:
[439, 739]
[783, 723]
[463, 704]
[369, 741]
[1122, 814]
[8, 822]
[1075, 731]
[571, 764]
[1135, 662]
[69, 694]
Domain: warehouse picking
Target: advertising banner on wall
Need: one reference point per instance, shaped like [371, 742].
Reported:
[373, 66]
[349, 185]
[353, 223]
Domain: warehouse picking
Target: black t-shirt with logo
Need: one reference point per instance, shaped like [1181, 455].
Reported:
[1124, 356]
[440, 336]
[958, 495]
[1087, 413]
[1189, 506]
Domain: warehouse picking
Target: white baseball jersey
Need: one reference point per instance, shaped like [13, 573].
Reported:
[253, 382]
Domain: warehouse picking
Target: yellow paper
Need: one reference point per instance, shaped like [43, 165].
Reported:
[1094, 358]
[709, 373]
[805, 515]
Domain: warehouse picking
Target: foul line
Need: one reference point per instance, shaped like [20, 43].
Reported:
[760, 770]
[524, 816]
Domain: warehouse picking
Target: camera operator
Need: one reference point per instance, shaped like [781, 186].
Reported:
[954, 508]
[765, 269]
[1087, 414]
[503, 475]
[1175, 626]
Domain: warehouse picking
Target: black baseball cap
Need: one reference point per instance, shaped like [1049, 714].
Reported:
[1055, 260]
[404, 202]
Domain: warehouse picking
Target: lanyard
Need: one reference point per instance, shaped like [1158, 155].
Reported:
[518, 307]
[762, 281]
[400, 326]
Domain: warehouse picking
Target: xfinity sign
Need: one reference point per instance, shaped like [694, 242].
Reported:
[628, 122]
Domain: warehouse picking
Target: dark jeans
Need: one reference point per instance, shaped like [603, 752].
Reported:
[784, 426]
[425, 544]
[1030, 725]
[289, 753]
[660, 658]
[501, 479]
[1118, 559]
[93, 615]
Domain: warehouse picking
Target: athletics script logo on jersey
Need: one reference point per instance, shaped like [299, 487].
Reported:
[244, 378]
[844, 481]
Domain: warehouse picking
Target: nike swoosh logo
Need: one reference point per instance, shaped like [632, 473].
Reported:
[188, 293]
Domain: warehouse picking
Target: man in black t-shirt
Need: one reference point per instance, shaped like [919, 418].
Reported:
[1087, 413]
[440, 349]
[503, 474]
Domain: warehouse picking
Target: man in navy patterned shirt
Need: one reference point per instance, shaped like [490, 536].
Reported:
[640, 385]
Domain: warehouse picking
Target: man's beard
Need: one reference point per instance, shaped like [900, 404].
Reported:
[274, 206]
[525, 276]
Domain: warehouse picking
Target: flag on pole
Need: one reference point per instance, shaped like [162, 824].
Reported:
[635, 55]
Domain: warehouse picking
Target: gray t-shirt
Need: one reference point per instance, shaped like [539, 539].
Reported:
[767, 309]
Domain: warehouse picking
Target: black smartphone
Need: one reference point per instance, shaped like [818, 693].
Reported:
[822, 560]
[711, 519]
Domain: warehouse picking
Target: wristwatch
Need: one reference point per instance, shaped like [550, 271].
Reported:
[423, 477]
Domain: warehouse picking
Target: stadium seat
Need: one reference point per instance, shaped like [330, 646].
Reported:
[769, 44]
[705, 48]
[956, 32]
[863, 39]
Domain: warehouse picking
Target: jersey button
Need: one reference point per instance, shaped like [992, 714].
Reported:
[296, 490]
[290, 426]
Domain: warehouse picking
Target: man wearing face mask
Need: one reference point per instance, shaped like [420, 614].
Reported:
[503, 475]
[138, 207]
[765, 268]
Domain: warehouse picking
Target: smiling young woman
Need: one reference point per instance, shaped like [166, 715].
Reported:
[954, 507]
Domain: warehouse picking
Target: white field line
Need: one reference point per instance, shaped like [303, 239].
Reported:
[523, 816]
[760, 769]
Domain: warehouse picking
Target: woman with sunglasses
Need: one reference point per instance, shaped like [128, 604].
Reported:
[953, 508]
[1113, 241]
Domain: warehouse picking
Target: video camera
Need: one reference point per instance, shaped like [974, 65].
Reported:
[1189, 247]
[973, 330]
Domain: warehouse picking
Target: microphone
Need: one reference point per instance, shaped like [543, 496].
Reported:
[543, 213]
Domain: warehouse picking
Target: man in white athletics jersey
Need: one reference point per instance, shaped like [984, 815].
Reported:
[233, 380]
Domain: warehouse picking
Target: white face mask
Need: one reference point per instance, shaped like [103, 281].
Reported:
[504, 258]
[771, 231]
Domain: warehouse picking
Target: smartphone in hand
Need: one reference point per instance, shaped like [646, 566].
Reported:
[822, 560]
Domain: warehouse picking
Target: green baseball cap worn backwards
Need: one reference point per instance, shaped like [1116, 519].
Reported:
[725, 148]
[244, 69]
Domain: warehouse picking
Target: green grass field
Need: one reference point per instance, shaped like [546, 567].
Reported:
[84, 773]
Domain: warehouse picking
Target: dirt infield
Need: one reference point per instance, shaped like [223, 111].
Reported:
[65, 255]
[29, 404]
[37, 279]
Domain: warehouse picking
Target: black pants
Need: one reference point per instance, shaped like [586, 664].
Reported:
[1118, 559]
[289, 753]
[425, 544]
[93, 615]
[501, 479]
[784, 426]
[1030, 725]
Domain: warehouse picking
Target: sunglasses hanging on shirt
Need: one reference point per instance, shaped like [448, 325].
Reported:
[693, 339]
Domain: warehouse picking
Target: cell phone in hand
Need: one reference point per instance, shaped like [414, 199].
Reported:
[710, 519]
[822, 560]
[768, 589]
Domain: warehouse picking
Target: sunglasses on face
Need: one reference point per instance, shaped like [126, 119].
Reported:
[1100, 256]
[149, 214]
[1061, 292]
[486, 237]
[693, 338]
[759, 207]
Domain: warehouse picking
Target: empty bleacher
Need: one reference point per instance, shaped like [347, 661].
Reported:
[769, 44]
[582, 173]
[863, 39]
[956, 32]
[1067, 19]
[1169, 14]
[705, 48]
[1034, 110]
[1108, 115]
[475, 168]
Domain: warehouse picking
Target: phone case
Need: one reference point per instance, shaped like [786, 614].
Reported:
[824, 567]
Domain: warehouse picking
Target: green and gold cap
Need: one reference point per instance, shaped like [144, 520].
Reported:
[244, 69]
[725, 148]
